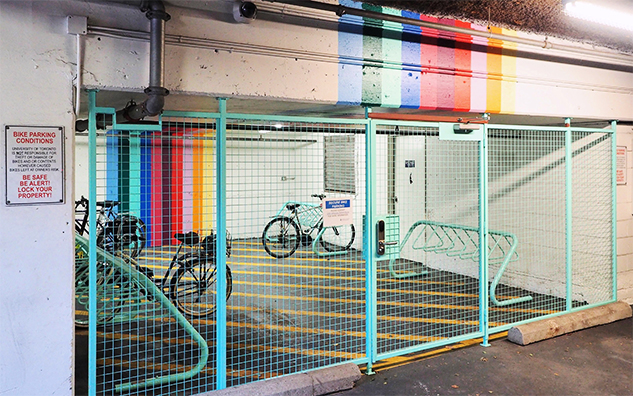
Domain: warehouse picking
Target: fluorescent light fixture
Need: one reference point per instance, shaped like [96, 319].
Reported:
[598, 14]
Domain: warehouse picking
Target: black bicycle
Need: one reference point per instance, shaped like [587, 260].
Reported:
[190, 281]
[116, 232]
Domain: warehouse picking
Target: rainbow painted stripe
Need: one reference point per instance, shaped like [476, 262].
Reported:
[180, 172]
[394, 65]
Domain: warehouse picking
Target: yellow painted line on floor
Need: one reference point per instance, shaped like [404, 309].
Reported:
[362, 316]
[277, 265]
[403, 360]
[388, 303]
[296, 329]
[301, 258]
[362, 289]
[266, 348]
[347, 278]
[181, 368]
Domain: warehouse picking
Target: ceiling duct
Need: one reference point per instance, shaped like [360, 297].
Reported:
[156, 92]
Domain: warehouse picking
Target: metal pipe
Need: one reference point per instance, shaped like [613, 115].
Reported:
[341, 10]
[156, 92]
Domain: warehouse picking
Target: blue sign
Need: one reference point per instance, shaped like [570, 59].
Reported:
[338, 204]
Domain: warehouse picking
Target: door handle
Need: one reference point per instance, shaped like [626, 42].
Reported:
[380, 237]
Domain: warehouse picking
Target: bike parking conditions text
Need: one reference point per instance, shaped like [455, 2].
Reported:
[34, 165]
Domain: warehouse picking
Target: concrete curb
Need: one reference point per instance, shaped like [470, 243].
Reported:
[567, 323]
[312, 383]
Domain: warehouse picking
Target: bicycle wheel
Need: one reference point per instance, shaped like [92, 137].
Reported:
[106, 237]
[131, 235]
[193, 288]
[339, 238]
[281, 237]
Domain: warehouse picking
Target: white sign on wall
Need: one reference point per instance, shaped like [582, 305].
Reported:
[337, 211]
[620, 160]
[34, 165]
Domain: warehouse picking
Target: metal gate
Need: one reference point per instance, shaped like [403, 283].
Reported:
[320, 241]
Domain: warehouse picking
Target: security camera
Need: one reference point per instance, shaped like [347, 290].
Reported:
[244, 11]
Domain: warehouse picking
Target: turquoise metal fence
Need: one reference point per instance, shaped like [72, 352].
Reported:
[290, 269]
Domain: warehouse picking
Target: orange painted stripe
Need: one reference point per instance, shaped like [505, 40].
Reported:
[198, 179]
[494, 68]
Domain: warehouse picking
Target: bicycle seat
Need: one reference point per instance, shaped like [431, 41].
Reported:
[191, 238]
[292, 207]
[108, 203]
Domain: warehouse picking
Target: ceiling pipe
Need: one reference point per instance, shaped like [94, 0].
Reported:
[154, 11]
[341, 10]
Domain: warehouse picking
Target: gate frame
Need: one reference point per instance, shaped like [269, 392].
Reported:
[369, 242]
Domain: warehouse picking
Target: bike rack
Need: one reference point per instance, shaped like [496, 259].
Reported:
[462, 242]
[128, 295]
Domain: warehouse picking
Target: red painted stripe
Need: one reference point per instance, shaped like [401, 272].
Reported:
[446, 64]
[463, 69]
[428, 61]
[176, 186]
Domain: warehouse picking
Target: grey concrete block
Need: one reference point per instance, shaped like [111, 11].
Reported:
[567, 323]
[312, 383]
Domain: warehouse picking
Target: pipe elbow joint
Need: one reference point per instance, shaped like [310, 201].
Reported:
[155, 10]
[155, 101]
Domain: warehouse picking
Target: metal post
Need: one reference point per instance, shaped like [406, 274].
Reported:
[221, 247]
[92, 246]
[483, 237]
[614, 192]
[370, 243]
[568, 215]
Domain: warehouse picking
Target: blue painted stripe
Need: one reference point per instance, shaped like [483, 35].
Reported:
[112, 168]
[350, 49]
[146, 185]
[410, 80]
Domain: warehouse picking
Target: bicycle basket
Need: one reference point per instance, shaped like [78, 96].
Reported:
[309, 216]
[208, 244]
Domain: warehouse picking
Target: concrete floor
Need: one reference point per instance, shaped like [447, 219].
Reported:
[595, 361]
[322, 323]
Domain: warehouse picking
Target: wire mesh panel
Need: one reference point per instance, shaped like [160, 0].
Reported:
[298, 299]
[294, 218]
[526, 186]
[429, 292]
[156, 271]
[592, 221]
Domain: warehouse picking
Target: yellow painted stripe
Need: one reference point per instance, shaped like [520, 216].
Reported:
[265, 348]
[388, 303]
[402, 360]
[181, 368]
[348, 278]
[508, 71]
[362, 289]
[362, 316]
[495, 74]
[296, 329]
[198, 185]
[208, 197]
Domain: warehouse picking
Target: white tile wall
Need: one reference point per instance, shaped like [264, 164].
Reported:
[625, 220]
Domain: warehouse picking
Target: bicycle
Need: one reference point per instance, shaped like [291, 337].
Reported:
[115, 231]
[284, 233]
[190, 281]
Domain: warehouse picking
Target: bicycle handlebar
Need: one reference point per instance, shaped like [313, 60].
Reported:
[320, 196]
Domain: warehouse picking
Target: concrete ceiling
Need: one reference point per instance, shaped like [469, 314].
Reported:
[535, 16]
